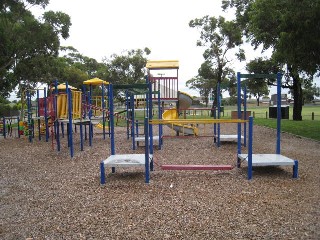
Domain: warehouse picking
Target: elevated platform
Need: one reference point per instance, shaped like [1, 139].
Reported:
[143, 139]
[126, 160]
[268, 159]
[228, 138]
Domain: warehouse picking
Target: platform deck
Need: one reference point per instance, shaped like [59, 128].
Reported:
[143, 139]
[126, 160]
[268, 159]
[227, 138]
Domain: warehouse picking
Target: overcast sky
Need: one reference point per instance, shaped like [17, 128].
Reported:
[101, 28]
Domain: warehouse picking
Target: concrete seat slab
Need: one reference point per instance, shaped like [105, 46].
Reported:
[268, 159]
[126, 160]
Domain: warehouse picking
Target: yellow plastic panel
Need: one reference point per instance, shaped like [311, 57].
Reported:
[63, 86]
[95, 81]
[162, 64]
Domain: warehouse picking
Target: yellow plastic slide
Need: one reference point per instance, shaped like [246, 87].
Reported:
[185, 101]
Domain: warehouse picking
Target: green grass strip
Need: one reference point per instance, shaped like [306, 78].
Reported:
[306, 128]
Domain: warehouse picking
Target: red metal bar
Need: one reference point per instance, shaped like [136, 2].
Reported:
[197, 167]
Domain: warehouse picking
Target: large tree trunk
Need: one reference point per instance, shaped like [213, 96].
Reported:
[298, 98]
[258, 102]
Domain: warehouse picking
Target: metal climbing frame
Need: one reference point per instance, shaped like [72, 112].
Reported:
[168, 86]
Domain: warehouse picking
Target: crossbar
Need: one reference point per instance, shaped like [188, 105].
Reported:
[251, 76]
[131, 86]
[197, 167]
[196, 121]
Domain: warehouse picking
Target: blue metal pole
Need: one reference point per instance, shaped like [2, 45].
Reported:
[239, 94]
[127, 113]
[18, 119]
[218, 99]
[239, 110]
[90, 133]
[84, 97]
[214, 126]
[46, 115]
[90, 117]
[278, 113]
[159, 117]
[109, 127]
[69, 96]
[103, 113]
[38, 115]
[245, 116]
[90, 102]
[56, 121]
[147, 166]
[113, 151]
[81, 136]
[150, 133]
[250, 148]
[102, 173]
[295, 169]
[58, 135]
[55, 107]
[29, 116]
[132, 122]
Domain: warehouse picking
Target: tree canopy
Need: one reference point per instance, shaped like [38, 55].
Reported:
[28, 46]
[219, 38]
[260, 87]
[291, 29]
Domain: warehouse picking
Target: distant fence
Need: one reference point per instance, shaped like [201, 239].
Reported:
[265, 115]
[311, 116]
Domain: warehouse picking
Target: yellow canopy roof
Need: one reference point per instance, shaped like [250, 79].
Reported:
[95, 81]
[162, 64]
[63, 86]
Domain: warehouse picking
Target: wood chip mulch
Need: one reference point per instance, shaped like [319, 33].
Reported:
[45, 194]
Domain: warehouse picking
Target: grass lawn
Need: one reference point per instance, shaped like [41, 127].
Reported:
[305, 128]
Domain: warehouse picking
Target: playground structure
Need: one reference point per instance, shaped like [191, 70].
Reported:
[252, 159]
[67, 105]
[265, 159]
[131, 160]
[163, 87]
[218, 137]
[63, 104]
[168, 87]
[158, 90]
[184, 102]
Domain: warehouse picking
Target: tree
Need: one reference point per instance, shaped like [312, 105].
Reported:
[28, 45]
[292, 29]
[259, 87]
[128, 68]
[219, 37]
[309, 91]
[202, 85]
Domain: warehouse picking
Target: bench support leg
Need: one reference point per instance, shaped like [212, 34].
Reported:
[102, 173]
[295, 169]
